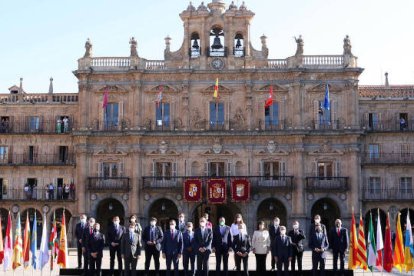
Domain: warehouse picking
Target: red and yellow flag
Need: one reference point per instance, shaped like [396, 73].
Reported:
[388, 246]
[399, 246]
[63, 244]
[17, 248]
[53, 242]
[353, 244]
[26, 242]
[1, 244]
[216, 87]
[362, 248]
[269, 100]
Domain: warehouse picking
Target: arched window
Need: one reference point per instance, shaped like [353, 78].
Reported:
[195, 50]
[238, 46]
[216, 48]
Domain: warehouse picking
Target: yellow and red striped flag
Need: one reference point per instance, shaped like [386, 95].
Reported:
[352, 264]
[362, 248]
[17, 249]
[399, 246]
[26, 242]
[63, 244]
[216, 87]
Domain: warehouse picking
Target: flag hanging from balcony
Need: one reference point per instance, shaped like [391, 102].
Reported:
[388, 246]
[8, 244]
[408, 250]
[26, 242]
[105, 98]
[326, 102]
[158, 101]
[216, 87]
[399, 246]
[63, 243]
[1, 244]
[192, 190]
[216, 191]
[269, 100]
[18, 245]
[240, 190]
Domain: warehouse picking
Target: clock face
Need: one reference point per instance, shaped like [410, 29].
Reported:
[217, 63]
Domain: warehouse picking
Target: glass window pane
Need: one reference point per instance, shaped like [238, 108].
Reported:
[220, 114]
[166, 111]
[212, 113]
[275, 113]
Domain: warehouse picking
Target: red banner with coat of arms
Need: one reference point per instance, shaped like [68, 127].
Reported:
[216, 191]
[192, 190]
[240, 190]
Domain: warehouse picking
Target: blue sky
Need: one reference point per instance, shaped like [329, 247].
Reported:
[44, 38]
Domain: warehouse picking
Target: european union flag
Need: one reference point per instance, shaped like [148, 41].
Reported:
[326, 102]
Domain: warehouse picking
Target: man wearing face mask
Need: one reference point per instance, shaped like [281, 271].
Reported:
[138, 228]
[87, 236]
[115, 232]
[274, 232]
[172, 248]
[282, 250]
[241, 247]
[130, 250]
[203, 239]
[152, 238]
[95, 248]
[221, 245]
[181, 225]
[318, 243]
[297, 236]
[189, 251]
[339, 240]
[317, 221]
[80, 228]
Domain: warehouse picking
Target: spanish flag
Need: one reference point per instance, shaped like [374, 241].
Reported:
[399, 246]
[362, 248]
[215, 95]
[63, 244]
[352, 261]
[17, 249]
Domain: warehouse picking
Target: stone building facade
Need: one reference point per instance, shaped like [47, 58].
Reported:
[137, 129]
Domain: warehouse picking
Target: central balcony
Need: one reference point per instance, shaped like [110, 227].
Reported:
[327, 184]
[109, 184]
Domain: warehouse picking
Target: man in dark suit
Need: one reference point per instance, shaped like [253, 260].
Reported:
[318, 243]
[172, 248]
[203, 239]
[317, 221]
[115, 232]
[96, 244]
[130, 250]
[297, 236]
[221, 245]
[189, 250]
[87, 235]
[274, 231]
[152, 238]
[241, 247]
[339, 243]
[282, 250]
[181, 224]
[80, 228]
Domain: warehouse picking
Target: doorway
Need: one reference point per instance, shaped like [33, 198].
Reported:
[215, 211]
[271, 208]
[106, 210]
[163, 210]
[328, 210]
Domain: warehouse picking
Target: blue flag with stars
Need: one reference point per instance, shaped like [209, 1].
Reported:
[326, 102]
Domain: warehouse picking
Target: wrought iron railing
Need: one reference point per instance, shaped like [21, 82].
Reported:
[370, 194]
[322, 184]
[37, 159]
[105, 184]
[387, 158]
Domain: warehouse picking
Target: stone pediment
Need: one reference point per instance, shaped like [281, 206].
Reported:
[276, 88]
[211, 152]
[164, 88]
[221, 90]
[107, 152]
[322, 86]
[112, 88]
[276, 152]
[159, 153]
[326, 149]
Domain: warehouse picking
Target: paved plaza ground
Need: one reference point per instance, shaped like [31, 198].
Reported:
[307, 264]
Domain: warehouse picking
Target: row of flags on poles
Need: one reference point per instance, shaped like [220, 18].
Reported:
[21, 249]
[372, 251]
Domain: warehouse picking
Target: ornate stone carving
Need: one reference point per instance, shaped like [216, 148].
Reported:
[163, 147]
[217, 147]
[196, 121]
[347, 46]
[88, 49]
[299, 45]
[238, 119]
[271, 146]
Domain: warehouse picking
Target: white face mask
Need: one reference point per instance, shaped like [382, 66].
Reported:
[172, 227]
[283, 232]
[295, 226]
[317, 220]
[131, 229]
[202, 224]
[83, 221]
[116, 223]
[152, 223]
[276, 223]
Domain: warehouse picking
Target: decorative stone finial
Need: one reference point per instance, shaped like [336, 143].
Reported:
[265, 50]
[243, 6]
[88, 49]
[387, 84]
[232, 6]
[133, 44]
[190, 7]
[51, 86]
[299, 46]
[347, 46]
[21, 85]
[167, 42]
[202, 7]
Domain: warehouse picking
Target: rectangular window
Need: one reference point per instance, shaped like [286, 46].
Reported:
[272, 116]
[374, 185]
[163, 170]
[4, 155]
[62, 124]
[405, 151]
[373, 150]
[110, 170]
[216, 169]
[373, 121]
[325, 169]
[406, 187]
[4, 124]
[31, 154]
[403, 121]
[162, 115]
[271, 170]
[63, 154]
[34, 124]
[324, 116]
[216, 115]
[111, 116]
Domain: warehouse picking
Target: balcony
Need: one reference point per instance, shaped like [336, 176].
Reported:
[276, 183]
[388, 194]
[38, 160]
[390, 125]
[108, 184]
[387, 158]
[36, 194]
[66, 98]
[35, 126]
[327, 184]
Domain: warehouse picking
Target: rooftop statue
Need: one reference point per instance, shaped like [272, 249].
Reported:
[133, 44]
[88, 49]
[299, 42]
[347, 46]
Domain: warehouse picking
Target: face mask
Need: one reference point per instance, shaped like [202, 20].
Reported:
[172, 226]
[152, 223]
[116, 223]
[131, 229]
[202, 224]
[83, 221]
[317, 220]
[283, 232]
[276, 223]
[238, 219]
[295, 226]
[221, 222]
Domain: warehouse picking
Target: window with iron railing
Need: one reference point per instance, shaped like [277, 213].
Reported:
[110, 170]
[216, 114]
[373, 121]
[163, 170]
[4, 155]
[162, 115]
[373, 150]
[111, 116]
[374, 185]
[216, 169]
[272, 115]
[406, 186]
[34, 124]
[271, 170]
[325, 169]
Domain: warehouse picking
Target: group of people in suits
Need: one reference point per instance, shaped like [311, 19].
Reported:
[194, 246]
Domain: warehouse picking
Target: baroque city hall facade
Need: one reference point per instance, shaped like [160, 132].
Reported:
[162, 128]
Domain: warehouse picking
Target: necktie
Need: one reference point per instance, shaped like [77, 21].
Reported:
[90, 231]
[339, 232]
[172, 234]
[283, 239]
[152, 234]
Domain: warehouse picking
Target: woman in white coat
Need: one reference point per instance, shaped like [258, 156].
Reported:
[261, 246]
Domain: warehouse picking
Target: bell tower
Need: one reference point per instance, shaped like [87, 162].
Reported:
[216, 37]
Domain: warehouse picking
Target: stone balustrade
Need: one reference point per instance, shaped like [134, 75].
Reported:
[111, 62]
[325, 61]
[277, 63]
[155, 65]
[39, 98]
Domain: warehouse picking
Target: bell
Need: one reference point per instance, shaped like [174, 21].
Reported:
[238, 44]
[217, 43]
[195, 44]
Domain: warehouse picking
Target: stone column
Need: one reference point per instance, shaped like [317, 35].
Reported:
[81, 178]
